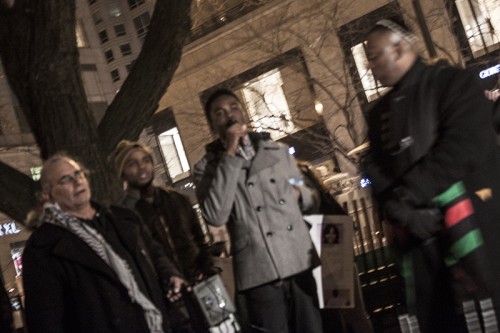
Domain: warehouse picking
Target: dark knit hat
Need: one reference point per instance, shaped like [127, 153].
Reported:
[123, 151]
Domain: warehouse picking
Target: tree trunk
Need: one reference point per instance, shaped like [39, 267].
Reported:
[40, 57]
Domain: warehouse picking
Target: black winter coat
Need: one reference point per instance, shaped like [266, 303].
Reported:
[70, 289]
[174, 224]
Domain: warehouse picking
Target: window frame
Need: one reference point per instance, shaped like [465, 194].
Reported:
[127, 52]
[109, 58]
[460, 32]
[132, 4]
[103, 36]
[144, 28]
[353, 33]
[115, 78]
[121, 32]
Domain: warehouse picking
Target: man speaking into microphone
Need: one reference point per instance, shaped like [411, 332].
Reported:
[253, 184]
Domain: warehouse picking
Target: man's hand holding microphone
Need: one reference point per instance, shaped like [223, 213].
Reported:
[236, 135]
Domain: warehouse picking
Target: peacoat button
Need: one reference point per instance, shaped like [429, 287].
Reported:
[250, 184]
[259, 208]
[269, 234]
[289, 227]
[272, 180]
[282, 201]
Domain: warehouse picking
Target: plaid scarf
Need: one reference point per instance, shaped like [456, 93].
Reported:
[55, 215]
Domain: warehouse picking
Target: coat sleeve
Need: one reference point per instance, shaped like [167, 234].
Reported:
[216, 185]
[43, 288]
[309, 197]
[465, 139]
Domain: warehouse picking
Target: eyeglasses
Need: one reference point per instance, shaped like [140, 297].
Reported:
[77, 175]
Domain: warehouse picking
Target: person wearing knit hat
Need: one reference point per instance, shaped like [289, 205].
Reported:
[124, 149]
[172, 221]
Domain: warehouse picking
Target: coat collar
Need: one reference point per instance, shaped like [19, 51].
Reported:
[265, 156]
[71, 247]
[263, 146]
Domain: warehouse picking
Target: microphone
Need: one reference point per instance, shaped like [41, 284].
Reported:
[230, 122]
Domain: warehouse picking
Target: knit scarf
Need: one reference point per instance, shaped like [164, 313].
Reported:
[55, 215]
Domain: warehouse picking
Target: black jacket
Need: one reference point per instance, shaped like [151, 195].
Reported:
[174, 224]
[70, 289]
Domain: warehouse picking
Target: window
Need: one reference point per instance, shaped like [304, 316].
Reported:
[97, 17]
[267, 106]
[109, 56]
[135, 3]
[125, 49]
[103, 36]
[120, 30]
[352, 39]
[141, 23]
[481, 23]
[174, 154]
[277, 95]
[114, 10]
[92, 83]
[81, 39]
[115, 75]
[36, 172]
[371, 87]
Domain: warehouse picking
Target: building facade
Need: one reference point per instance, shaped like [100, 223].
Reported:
[298, 66]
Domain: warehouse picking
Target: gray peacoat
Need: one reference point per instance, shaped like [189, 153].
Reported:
[256, 199]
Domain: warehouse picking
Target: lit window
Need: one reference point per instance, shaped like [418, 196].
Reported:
[36, 172]
[267, 106]
[97, 17]
[109, 56]
[115, 75]
[81, 40]
[135, 3]
[103, 36]
[174, 154]
[115, 10]
[125, 49]
[141, 23]
[481, 22]
[372, 87]
[120, 30]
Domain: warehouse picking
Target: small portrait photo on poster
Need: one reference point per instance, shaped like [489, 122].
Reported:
[331, 234]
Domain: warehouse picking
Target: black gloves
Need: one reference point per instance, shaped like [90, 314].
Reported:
[422, 223]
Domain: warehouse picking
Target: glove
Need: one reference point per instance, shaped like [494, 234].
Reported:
[422, 223]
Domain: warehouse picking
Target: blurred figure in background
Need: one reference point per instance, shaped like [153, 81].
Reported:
[434, 170]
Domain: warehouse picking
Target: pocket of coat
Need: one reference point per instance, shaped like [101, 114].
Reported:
[240, 244]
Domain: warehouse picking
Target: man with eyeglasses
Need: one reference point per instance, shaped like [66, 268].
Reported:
[88, 268]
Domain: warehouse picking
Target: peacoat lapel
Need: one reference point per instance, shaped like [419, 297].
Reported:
[266, 156]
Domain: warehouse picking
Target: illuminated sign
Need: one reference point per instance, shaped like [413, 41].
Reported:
[9, 228]
[489, 71]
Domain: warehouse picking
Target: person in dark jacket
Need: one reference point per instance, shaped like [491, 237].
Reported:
[169, 216]
[434, 170]
[6, 320]
[88, 268]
